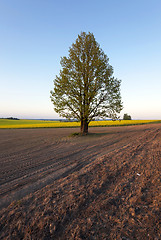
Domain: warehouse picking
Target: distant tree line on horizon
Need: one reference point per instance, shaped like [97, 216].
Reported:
[11, 118]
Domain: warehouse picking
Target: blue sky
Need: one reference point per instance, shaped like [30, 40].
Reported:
[35, 34]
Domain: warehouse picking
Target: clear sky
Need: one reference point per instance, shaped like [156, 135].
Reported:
[34, 34]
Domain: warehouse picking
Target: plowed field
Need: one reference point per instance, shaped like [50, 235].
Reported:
[106, 185]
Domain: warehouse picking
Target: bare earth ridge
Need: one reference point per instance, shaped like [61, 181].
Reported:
[106, 185]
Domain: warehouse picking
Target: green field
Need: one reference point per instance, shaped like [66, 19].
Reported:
[7, 123]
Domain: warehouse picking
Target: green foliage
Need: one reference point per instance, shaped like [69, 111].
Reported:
[85, 88]
[126, 117]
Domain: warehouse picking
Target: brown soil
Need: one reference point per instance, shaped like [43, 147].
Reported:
[106, 185]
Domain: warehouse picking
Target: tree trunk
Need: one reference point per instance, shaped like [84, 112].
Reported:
[84, 126]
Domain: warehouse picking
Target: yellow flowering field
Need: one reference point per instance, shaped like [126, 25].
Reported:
[6, 123]
[121, 122]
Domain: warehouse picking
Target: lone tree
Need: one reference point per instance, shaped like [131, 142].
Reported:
[126, 117]
[85, 88]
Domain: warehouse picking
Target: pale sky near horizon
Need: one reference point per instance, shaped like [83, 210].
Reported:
[35, 34]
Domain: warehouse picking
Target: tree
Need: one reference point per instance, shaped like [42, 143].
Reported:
[85, 88]
[126, 117]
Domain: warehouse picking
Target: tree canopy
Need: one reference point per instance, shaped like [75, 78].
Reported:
[126, 117]
[85, 88]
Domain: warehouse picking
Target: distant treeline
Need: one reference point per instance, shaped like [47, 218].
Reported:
[11, 118]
